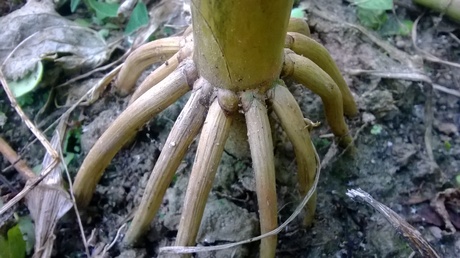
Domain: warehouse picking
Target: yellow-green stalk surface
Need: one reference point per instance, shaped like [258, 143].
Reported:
[239, 43]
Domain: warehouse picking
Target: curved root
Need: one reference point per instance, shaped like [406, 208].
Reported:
[161, 72]
[147, 54]
[209, 152]
[184, 131]
[317, 53]
[288, 112]
[299, 25]
[125, 127]
[310, 75]
[261, 146]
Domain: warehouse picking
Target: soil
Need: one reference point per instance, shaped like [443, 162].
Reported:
[391, 161]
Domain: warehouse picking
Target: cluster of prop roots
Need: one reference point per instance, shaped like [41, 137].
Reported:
[211, 110]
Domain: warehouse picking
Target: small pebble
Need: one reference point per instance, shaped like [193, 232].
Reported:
[436, 232]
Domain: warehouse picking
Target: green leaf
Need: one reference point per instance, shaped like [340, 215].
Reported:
[167, 31]
[16, 242]
[73, 5]
[14, 246]
[374, 4]
[104, 33]
[373, 19]
[297, 13]
[83, 22]
[26, 100]
[103, 10]
[28, 82]
[139, 17]
[376, 130]
[68, 158]
[457, 179]
[5, 253]
[28, 232]
[111, 26]
[447, 146]
[405, 28]
[37, 169]
[72, 140]
[394, 27]
[3, 120]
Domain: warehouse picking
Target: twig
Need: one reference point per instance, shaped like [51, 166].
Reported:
[29, 186]
[413, 236]
[412, 64]
[19, 164]
[26, 119]
[426, 55]
[446, 90]
[39, 136]
[115, 239]
[90, 96]
[102, 68]
[80, 225]
[408, 76]
[395, 53]
[126, 8]
[48, 202]
[6, 182]
[452, 35]
[428, 115]
[300, 207]
[428, 121]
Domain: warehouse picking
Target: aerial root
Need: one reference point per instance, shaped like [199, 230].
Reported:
[299, 25]
[261, 146]
[147, 54]
[209, 152]
[161, 72]
[126, 125]
[288, 112]
[307, 73]
[184, 131]
[317, 53]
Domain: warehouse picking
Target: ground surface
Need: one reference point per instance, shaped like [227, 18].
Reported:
[391, 162]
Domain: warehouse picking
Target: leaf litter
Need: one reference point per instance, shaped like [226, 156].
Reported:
[37, 32]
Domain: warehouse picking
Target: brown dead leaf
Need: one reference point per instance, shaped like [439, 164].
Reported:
[36, 31]
[452, 196]
[48, 202]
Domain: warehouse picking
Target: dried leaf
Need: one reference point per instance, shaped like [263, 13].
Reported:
[413, 237]
[452, 196]
[172, 12]
[48, 202]
[36, 31]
